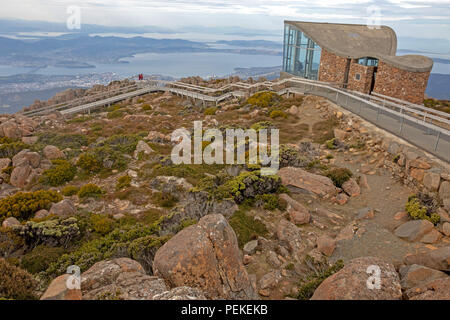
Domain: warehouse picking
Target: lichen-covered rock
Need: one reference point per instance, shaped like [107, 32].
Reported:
[298, 213]
[299, 180]
[350, 283]
[290, 237]
[142, 147]
[415, 275]
[414, 230]
[438, 259]
[438, 289]
[351, 188]
[206, 256]
[10, 222]
[27, 157]
[52, 152]
[58, 290]
[64, 208]
[181, 293]
[120, 279]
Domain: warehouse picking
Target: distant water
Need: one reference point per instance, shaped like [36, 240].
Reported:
[171, 64]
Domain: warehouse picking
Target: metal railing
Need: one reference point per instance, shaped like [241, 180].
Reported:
[424, 127]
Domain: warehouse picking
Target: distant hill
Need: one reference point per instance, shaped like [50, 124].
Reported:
[439, 86]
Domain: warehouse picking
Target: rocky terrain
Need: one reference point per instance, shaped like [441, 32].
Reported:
[353, 212]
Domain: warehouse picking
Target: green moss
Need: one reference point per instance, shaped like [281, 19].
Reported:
[123, 182]
[264, 99]
[417, 211]
[90, 190]
[246, 227]
[61, 172]
[23, 205]
[339, 176]
[16, 283]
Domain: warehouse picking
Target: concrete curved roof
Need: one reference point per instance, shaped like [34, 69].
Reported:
[357, 41]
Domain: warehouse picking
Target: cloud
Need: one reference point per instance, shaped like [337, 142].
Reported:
[258, 14]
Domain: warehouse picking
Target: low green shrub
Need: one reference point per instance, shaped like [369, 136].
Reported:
[123, 182]
[271, 202]
[264, 99]
[69, 191]
[102, 224]
[322, 272]
[339, 176]
[23, 205]
[164, 199]
[278, 114]
[10, 149]
[90, 190]
[210, 111]
[246, 227]
[331, 144]
[115, 114]
[61, 172]
[417, 211]
[63, 140]
[16, 283]
[146, 107]
[89, 163]
[40, 258]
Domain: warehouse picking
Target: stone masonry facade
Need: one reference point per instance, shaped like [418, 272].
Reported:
[366, 74]
[389, 80]
[332, 68]
[401, 84]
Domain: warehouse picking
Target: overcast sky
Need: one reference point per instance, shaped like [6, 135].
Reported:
[415, 18]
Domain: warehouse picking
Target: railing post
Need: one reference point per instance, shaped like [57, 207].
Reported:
[378, 113]
[437, 141]
[401, 124]
[337, 97]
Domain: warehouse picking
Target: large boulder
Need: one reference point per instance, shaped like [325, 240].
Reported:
[298, 213]
[4, 163]
[351, 188]
[142, 147]
[20, 176]
[438, 289]
[351, 282]
[121, 278]
[438, 259]
[58, 290]
[27, 157]
[444, 190]
[10, 129]
[64, 208]
[290, 237]
[52, 152]
[10, 222]
[301, 181]
[206, 256]
[415, 275]
[414, 230]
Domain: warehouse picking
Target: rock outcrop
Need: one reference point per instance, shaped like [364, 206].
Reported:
[350, 283]
[301, 181]
[205, 256]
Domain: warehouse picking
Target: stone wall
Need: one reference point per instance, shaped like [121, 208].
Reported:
[366, 77]
[332, 67]
[401, 84]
